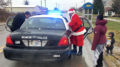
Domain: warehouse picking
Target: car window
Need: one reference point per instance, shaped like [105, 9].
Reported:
[65, 19]
[10, 21]
[86, 23]
[44, 23]
[87, 26]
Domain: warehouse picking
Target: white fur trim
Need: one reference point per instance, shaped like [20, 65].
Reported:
[78, 33]
[71, 11]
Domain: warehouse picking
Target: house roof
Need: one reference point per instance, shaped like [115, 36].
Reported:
[22, 6]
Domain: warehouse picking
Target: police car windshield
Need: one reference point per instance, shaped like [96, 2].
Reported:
[44, 23]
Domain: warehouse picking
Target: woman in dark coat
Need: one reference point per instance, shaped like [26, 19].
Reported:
[99, 40]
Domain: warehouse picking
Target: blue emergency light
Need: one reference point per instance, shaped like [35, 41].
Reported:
[54, 12]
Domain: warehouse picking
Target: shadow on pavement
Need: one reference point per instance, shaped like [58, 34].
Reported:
[75, 61]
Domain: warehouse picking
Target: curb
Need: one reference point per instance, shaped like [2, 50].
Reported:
[105, 64]
[87, 53]
[89, 40]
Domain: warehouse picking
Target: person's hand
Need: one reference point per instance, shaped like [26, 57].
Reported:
[68, 32]
[93, 49]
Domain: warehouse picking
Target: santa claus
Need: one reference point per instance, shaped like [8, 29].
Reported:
[77, 36]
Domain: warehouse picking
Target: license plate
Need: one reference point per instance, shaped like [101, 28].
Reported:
[37, 43]
[34, 43]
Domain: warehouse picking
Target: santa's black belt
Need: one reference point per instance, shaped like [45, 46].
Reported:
[78, 28]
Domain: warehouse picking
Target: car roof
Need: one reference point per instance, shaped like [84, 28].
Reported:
[54, 16]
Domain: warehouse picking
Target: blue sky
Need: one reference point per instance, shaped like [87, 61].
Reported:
[62, 4]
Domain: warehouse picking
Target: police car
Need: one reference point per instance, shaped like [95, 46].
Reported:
[39, 39]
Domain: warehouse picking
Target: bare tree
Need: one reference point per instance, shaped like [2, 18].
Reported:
[4, 3]
[116, 7]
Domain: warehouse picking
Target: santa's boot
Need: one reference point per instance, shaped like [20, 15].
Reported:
[74, 51]
[80, 51]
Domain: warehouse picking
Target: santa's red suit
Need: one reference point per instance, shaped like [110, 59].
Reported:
[78, 30]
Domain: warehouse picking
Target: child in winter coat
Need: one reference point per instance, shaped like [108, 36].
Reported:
[110, 43]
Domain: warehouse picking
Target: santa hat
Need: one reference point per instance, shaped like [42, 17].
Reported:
[71, 11]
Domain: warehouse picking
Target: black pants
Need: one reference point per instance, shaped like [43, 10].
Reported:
[100, 60]
[109, 49]
[75, 48]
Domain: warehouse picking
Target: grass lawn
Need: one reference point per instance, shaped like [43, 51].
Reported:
[113, 25]
[117, 18]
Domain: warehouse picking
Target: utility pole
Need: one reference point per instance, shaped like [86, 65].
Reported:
[41, 3]
[45, 3]
[56, 5]
[76, 5]
[11, 5]
[84, 1]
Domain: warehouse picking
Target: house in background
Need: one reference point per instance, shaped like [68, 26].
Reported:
[23, 8]
[108, 7]
[20, 8]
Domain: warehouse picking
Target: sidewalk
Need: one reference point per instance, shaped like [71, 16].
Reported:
[110, 19]
[2, 24]
[88, 54]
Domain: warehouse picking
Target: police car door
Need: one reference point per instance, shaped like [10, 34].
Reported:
[9, 23]
[87, 25]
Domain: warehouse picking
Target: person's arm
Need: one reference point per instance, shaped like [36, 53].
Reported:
[112, 42]
[96, 38]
